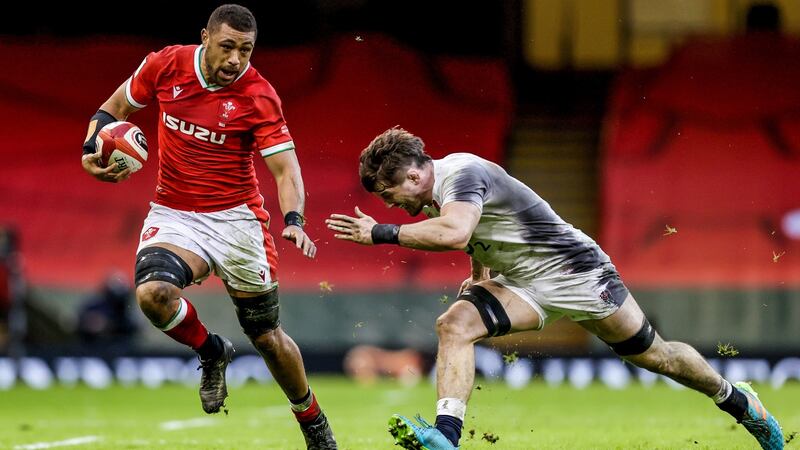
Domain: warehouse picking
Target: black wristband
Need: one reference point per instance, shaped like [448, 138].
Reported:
[386, 233]
[103, 118]
[294, 218]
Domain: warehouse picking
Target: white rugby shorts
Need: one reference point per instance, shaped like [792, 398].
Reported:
[234, 242]
[595, 294]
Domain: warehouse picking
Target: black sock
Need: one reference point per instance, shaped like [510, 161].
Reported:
[211, 348]
[735, 404]
[450, 427]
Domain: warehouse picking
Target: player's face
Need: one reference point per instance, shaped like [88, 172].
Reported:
[227, 52]
[408, 195]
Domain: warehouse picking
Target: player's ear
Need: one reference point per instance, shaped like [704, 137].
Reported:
[204, 37]
[413, 175]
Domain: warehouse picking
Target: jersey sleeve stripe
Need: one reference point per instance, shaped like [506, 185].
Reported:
[282, 147]
[129, 96]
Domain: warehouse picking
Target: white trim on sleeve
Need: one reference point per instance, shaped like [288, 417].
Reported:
[283, 146]
[129, 97]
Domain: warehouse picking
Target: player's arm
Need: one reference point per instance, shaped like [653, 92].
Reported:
[117, 105]
[450, 231]
[291, 195]
[114, 109]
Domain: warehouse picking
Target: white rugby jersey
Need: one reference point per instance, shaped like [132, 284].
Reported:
[518, 235]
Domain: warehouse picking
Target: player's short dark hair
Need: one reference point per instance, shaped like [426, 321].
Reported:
[236, 16]
[387, 155]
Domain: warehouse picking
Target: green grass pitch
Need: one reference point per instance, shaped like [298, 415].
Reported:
[534, 417]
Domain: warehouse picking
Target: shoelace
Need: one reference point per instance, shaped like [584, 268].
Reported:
[318, 432]
[422, 421]
[212, 378]
[208, 364]
[759, 425]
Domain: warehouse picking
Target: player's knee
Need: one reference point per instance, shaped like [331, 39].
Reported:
[450, 325]
[268, 343]
[154, 298]
[259, 316]
[460, 323]
[160, 264]
[637, 344]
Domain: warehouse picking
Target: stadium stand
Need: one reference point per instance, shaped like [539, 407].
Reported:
[336, 97]
[707, 144]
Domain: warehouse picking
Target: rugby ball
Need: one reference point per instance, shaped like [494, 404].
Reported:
[122, 143]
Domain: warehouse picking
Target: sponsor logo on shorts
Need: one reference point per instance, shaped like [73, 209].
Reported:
[148, 233]
[263, 274]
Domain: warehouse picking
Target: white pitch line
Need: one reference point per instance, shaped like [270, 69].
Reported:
[173, 425]
[65, 443]
[394, 397]
[276, 410]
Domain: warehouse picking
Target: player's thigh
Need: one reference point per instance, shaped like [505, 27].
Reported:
[176, 231]
[619, 326]
[520, 313]
[241, 249]
[198, 265]
[237, 293]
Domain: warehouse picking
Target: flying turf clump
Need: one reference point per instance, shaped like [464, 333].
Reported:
[726, 349]
[490, 437]
[510, 358]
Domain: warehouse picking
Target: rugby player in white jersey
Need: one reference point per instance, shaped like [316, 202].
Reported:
[546, 269]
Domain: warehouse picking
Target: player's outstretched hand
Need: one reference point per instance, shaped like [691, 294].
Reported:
[357, 229]
[91, 164]
[301, 240]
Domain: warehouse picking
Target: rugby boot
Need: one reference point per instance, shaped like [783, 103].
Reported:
[318, 434]
[420, 436]
[213, 389]
[758, 421]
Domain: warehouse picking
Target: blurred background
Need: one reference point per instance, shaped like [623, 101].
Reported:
[668, 130]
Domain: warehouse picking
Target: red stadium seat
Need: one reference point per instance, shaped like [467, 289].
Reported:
[707, 144]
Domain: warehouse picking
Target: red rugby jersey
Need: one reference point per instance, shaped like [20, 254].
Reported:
[208, 135]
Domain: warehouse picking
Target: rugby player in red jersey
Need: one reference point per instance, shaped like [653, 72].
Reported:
[215, 113]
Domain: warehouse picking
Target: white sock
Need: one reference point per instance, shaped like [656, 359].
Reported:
[451, 407]
[725, 391]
